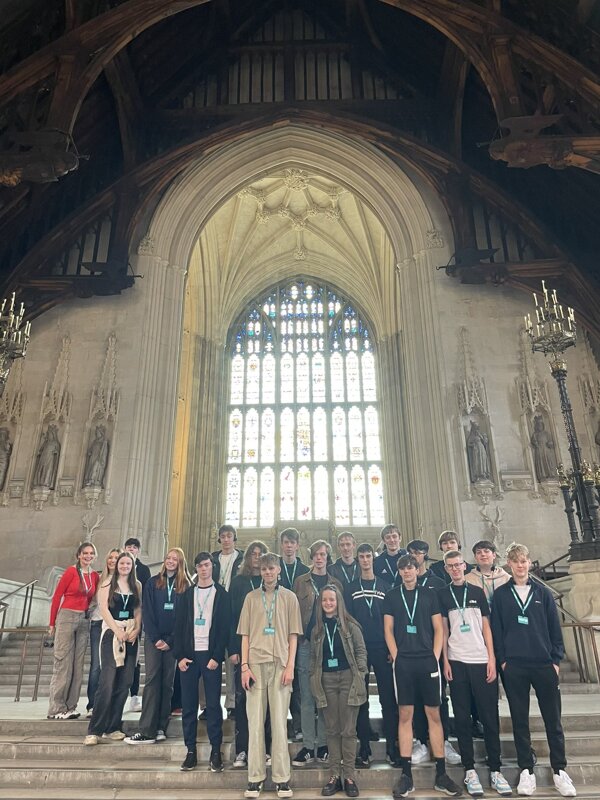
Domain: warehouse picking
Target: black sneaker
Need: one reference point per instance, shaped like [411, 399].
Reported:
[231, 713]
[393, 758]
[333, 785]
[139, 738]
[444, 783]
[283, 790]
[373, 735]
[323, 754]
[351, 788]
[363, 759]
[191, 761]
[403, 786]
[202, 715]
[477, 730]
[216, 760]
[305, 756]
[253, 789]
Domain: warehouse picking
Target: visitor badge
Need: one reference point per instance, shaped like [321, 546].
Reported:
[199, 621]
[123, 614]
[522, 620]
[411, 628]
[169, 606]
[269, 630]
[332, 662]
[465, 628]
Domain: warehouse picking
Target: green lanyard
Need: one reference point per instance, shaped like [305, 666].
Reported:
[269, 629]
[522, 618]
[287, 572]
[394, 571]
[203, 606]
[488, 590]
[314, 585]
[331, 662]
[124, 614]
[411, 628]
[368, 601]
[345, 574]
[465, 627]
[170, 587]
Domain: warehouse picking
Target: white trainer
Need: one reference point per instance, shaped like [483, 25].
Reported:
[450, 754]
[135, 703]
[564, 785]
[527, 783]
[241, 760]
[420, 752]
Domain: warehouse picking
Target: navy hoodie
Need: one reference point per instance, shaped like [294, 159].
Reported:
[536, 644]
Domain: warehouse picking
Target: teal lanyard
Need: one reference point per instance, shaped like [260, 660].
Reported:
[488, 590]
[125, 599]
[368, 600]
[394, 571]
[287, 573]
[269, 611]
[203, 606]
[424, 584]
[345, 574]
[332, 637]
[461, 611]
[170, 588]
[314, 585]
[410, 616]
[519, 603]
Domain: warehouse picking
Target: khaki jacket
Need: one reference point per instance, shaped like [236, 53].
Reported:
[356, 654]
[303, 589]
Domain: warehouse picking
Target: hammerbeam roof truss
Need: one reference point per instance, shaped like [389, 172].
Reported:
[66, 82]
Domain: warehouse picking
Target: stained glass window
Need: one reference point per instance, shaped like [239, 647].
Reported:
[303, 424]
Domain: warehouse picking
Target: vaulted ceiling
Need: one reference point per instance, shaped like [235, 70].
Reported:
[146, 86]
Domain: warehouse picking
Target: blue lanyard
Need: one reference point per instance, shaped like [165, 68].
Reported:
[332, 637]
[269, 611]
[410, 616]
[368, 601]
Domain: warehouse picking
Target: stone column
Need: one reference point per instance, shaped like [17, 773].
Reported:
[149, 461]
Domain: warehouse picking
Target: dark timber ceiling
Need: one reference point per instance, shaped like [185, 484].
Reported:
[451, 71]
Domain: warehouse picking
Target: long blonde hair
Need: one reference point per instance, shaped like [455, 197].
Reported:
[343, 616]
[182, 577]
[106, 575]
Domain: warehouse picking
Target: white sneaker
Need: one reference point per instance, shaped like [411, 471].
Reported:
[527, 783]
[450, 753]
[420, 752]
[135, 703]
[473, 784]
[115, 736]
[267, 760]
[500, 784]
[161, 736]
[241, 760]
[564, 784]
[90, 739]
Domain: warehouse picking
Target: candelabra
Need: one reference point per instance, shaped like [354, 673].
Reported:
[13, 338]
[553, 335]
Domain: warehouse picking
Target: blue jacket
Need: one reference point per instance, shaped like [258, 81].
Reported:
[539, 642]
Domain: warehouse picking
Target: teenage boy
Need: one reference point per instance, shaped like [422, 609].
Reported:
[529, 648]
[202, 626]
[470, 669]
[364, 600]
[447, 540]
[292, 567]
[227, 562]
[425, 578]
[247, 579]
[385, 565]
[414, 635]
[306, 589]
[142, 573]
[269, 626]
[345, 568]
[486, 574]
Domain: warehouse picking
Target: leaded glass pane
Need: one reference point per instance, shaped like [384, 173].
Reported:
[376, 507]
[342, 505]
[359, 496]
[267, 497]
[268, 379]
[369, 386]
[304, 494]
[250, 498]
[287, 436]
[321, 493]
[355, 433]
[288, 493]
[320, 434]
[252, 379]
[338, 424]
[267, 442]
[235, 437]
[251, 443]
[302, 379]
[303, 435]
[336, 374]
[318, 378]
[233, 494]
[287, 379]
[237, 379]
[352, 378]
[372, 434]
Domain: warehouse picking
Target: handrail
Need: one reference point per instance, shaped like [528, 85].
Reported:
[27, 603]
[18, 589]
[540, 570]
[26, 632]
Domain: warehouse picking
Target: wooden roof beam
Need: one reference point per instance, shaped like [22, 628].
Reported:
[129, 105]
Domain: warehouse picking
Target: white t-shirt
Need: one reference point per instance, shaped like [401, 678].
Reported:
[204, 600]
[226, 562]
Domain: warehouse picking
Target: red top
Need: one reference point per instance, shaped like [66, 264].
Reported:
[71, 594]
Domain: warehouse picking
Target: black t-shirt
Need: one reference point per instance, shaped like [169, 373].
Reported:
[289, 573]
[420, 643]
[339, 653]
[319, 582]
[430, 581]
[364, 600]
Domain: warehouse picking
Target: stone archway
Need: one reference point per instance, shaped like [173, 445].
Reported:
[396, 291]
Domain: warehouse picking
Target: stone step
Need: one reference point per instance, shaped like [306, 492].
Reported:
[119, 793]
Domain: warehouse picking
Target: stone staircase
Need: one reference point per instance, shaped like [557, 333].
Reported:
[46, 759]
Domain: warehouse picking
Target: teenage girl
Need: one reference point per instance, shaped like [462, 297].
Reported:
[96, 630]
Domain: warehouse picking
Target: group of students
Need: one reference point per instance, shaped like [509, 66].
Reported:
[303, 640]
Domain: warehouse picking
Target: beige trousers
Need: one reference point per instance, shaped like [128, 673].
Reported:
[268, 692]
[71, 635]
[340, 723]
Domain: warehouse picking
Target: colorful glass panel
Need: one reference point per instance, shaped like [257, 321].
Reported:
[237, 379]
[338, 426]
[320, 434]
[321, 493]
[355, 434]
[304, 505]
[253, 380]
[251, 438]
[234, 450]
[340, 488]
[267, 436]
[303, 449]
[376, 506]
[250, 498]
[267, 497]
[286, 435]
[233, 494]
[359, 496]
[268, 379]
[287, 491]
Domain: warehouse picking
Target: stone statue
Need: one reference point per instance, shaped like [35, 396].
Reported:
[44, 475]
[477, 454]
[544, 458]
[5, 451]
[97, 457]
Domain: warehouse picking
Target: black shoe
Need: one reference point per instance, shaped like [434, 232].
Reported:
[333, 785]
[533, 756]
[393, 758]
[373, 735]
[477, 730]
[216, 760]
[202, 715]
[283, 790]
[351, 788]
[231, 713]
[403, 786]
[323, 754]
[303, 757]
[363, 759]
[191, 761]
[253, 790]
[444, 783]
